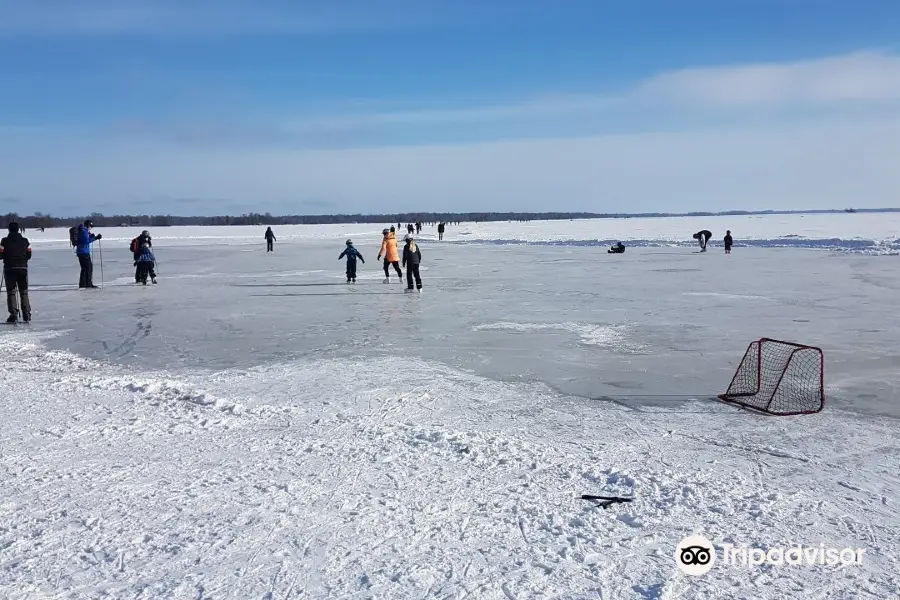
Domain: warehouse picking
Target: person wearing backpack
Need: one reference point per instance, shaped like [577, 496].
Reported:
[15, 251]
[83, 238]
[136, 245]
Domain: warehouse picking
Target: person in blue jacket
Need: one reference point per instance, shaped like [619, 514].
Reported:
[84, 239]
[144, 264]
[352, 254]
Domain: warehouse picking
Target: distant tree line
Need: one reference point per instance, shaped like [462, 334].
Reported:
[38, 220]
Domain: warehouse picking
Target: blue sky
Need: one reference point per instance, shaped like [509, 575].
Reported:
[202, 107]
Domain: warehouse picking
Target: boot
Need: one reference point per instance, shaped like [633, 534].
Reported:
[11, 320]
[153, 279]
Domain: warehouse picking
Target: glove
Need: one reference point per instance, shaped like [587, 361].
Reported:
[100, 237]
[135, 263]
[378, 257]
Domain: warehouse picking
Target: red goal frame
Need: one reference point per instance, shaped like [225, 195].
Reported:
[738, 396]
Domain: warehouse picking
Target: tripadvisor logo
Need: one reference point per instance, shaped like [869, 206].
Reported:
[695, 555]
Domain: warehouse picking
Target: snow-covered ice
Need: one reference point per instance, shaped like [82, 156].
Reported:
[252, 427]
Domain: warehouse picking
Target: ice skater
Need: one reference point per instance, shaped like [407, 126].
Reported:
[83, 240]
[144, 265]
[389, 252]
[15, 251]
[441, 231]
[703, 237]
[412, 257]
[352, 254]
[729, 242]
[270, 240]
[136, 245]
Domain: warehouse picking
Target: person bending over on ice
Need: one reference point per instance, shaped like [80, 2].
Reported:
[16, 252]
[270, 240]
[352, 254]
[83, 240]
[389, 251]
[617, 249]
[729, 242]
[145, 265]
[703, 238]
[412, 257]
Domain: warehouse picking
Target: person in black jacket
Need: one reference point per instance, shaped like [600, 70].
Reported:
[729, 242]
[412, 257]
[270, 240]
[16, 252]
[136, 245]
[703, 237]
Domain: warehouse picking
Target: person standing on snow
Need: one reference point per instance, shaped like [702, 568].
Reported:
[270, 240]
[729, 242]
[16, 252]
[84, 238]
[412, 257]
[352, 254]
[389, 251]
[441, 230]
[703, 237]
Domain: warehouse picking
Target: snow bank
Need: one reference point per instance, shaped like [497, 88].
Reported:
[342, 483]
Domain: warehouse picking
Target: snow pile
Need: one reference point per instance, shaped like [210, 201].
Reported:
[335, 481]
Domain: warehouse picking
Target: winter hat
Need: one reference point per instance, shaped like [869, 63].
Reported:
[14, 227]
[408, 238]
[385, 231]
[88, 223]
[349, 242]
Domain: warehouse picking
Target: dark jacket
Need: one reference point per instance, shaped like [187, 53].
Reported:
[84, 238]
[413, 257]
[141, 240]
[352, 254]
[16, 251]
[729, 241]
[270, 235]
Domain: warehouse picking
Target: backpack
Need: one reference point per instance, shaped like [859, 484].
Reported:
[135, 248]
[73, 236]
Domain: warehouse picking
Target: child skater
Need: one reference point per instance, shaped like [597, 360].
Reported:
[352, 254]
[145, 264]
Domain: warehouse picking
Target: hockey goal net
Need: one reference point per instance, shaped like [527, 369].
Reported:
[779, 378]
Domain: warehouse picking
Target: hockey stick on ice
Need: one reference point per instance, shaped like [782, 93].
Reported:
[606, 501]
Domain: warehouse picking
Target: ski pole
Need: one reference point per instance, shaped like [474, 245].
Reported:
[100, 246]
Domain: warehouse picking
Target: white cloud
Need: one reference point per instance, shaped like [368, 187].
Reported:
[833, 158]
[866, 76]
[810, 166]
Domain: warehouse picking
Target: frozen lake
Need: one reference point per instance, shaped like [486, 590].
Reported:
[253, 427]
[663, 323]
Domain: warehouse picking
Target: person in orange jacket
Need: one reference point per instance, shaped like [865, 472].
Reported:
[389, 251]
